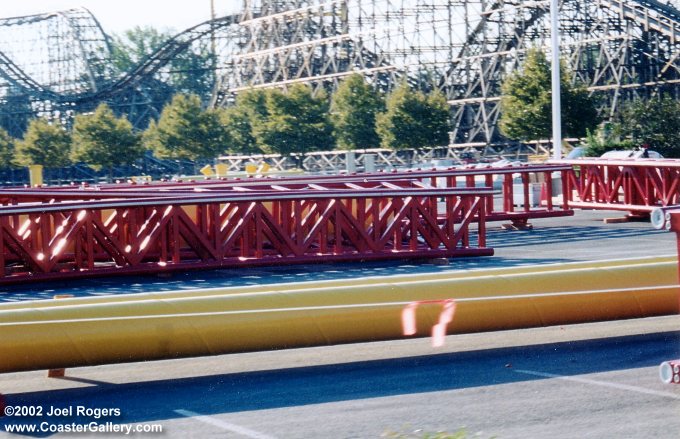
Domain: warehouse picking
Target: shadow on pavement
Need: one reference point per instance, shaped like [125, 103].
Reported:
[216, 394]
[556, 235]
[253, 276]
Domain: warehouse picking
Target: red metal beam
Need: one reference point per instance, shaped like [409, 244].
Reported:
[671, 221]
[517, 204]
[208, 230]
[638, 186]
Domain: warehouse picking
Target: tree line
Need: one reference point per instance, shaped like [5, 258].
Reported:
[525, 106]
[356, 116]
[526, 113]
[260, 121]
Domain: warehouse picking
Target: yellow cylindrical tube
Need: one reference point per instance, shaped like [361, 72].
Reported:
[135, 330]
[617, 277]
[668, 264]
[88, 341]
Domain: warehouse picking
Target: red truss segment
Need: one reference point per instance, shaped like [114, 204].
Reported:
[517, 205]
[153, 234]
[637, 186]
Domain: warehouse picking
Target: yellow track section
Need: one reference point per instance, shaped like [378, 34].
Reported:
[109, 329]
[315, 285]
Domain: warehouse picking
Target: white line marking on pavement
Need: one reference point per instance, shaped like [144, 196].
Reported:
[600, 383]
[224, 425]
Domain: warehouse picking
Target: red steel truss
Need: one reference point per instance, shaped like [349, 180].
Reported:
[79, 230]
[669, 218]
[636, 186]
[516, 185]
[154, 233]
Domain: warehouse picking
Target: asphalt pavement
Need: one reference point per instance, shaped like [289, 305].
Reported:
[597, 380]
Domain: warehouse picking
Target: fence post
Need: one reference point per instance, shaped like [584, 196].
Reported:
[369, 163]
[351, 164]
[35, 173]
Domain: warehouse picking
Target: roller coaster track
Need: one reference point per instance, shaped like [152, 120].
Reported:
[651, 14]
[16, 76]
[666, 23]
[167, 52]
[494, 43]
[318, 42]
[90, 48]
[146, 67]
[478, 88]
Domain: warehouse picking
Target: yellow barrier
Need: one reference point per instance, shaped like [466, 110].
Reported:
[207, 171]
[251, 168]
[221, 169]
[135, 330]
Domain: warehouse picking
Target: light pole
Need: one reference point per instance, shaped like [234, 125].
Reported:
[213, 49]
[556, 111]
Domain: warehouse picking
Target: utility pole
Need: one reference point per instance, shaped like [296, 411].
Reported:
[213, 48]
[556, 110]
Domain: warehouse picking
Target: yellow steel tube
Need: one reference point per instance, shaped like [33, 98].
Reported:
[88, 341]
[669, 262]
[616, 277]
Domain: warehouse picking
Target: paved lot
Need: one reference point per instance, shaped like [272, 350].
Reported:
[583, 237]
[595, 380]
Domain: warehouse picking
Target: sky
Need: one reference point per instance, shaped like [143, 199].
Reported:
[116, 16]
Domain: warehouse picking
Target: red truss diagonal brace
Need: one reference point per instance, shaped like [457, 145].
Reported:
[516, 185]
[638, 186]
[148, 234]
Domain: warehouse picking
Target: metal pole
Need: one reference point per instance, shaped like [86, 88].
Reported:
[556, 113]
[213, 49]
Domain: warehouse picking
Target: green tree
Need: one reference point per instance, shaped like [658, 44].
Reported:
[6, 149]
[192, 72]
[186, 131]
[238, 125]
[102, 139]
[240, 120]
[413, 119]
[44, 144]
[130, 48]
[655, 122]
[15, 111]
[296, 121]
[526, 102]
[189, 71]
[607, 137]
[354, 107]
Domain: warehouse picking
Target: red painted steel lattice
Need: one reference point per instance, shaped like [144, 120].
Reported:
[516, 185]
[637, 186]
[206, 230]
[80, 230]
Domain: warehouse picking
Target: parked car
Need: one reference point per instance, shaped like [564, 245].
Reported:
[640, 153]
[580, 152]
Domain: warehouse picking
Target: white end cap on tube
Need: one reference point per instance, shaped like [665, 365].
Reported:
[658, 219]
[669, 372]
